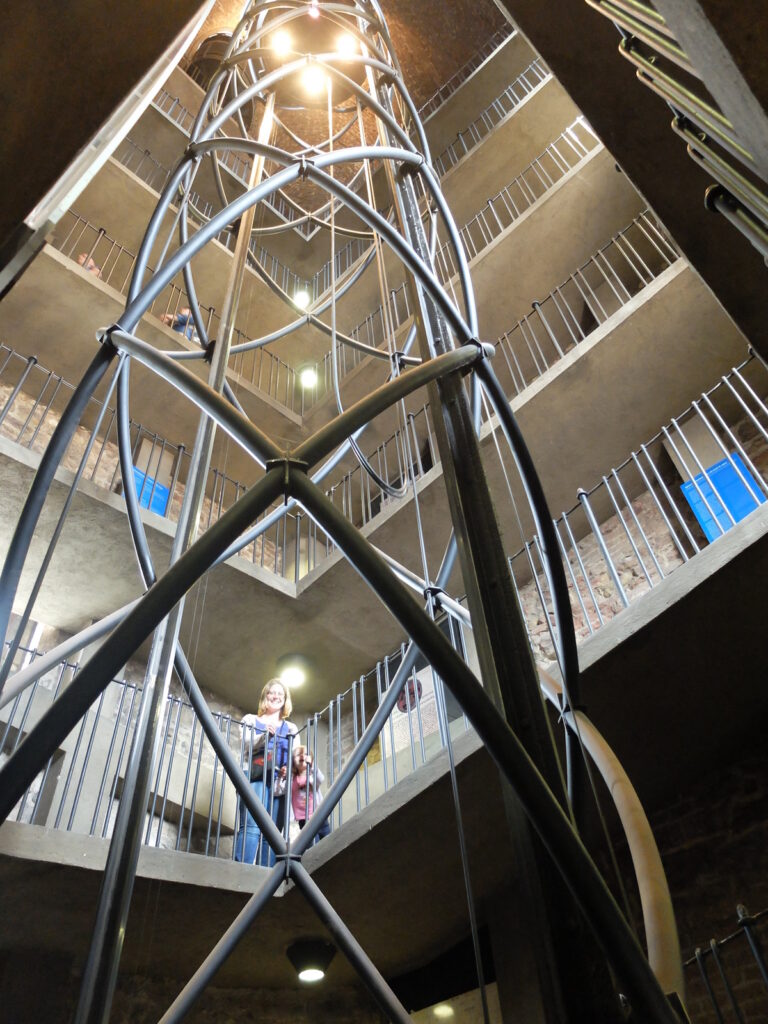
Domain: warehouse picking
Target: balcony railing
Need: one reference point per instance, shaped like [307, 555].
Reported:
[727, 979]
[499, 213]
[458, 78]
[236, 164]
[193, 806]
[598, 290]
[94, 250]
[31, 400]
[588, 298]
[535, 181]
[526, 82]
[685, 488]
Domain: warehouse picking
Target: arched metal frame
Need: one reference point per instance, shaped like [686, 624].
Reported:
[449, 349]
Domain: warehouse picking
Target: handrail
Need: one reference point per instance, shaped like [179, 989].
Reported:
[588, 298]
[108, 261]
[30, 399]
[497, 110]
[644, 519]
[497, 216]
[447, 89]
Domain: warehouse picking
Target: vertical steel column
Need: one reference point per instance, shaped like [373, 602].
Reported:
[100, 976]
[573, 979]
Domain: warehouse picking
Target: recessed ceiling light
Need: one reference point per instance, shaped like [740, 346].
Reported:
[311, 974]
[308, 377]
[301, 298]
[311, 958]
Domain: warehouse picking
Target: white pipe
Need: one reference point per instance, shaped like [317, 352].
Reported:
[661, 936]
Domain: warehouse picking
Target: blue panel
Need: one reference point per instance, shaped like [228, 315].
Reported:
[160, 494]
[723, 489]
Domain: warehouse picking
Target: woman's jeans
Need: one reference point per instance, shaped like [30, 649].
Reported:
[249, 833]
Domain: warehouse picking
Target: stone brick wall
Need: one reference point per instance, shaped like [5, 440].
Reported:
[142, 1000]
[633, 579]
[713, 841]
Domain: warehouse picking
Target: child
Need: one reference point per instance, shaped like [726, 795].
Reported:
[305, 789]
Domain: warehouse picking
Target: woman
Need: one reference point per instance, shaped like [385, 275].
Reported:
[266, 744]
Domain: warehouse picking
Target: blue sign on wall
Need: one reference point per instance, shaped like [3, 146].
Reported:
[146, 488]
[723, 489]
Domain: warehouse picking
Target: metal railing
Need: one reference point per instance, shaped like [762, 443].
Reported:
[496, 111]
[599, 289]
[710, 137]
[193, 806]
[143, 165]
[499, 213]
[588, 298]
[98, 253]
[238, 165]
[31, 399]
[535, 181]
[728, 978]
[700, 475]
[458, 78]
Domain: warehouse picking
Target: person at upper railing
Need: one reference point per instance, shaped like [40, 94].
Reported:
[89, 264]
[267, 740]
[306, 780]
[181, 321]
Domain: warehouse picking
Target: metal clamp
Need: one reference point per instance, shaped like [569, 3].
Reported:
[485, 350]
[397, 358]
[433, 593]
[287, 462]
[287, 858]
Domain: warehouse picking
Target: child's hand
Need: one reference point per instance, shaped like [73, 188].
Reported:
[283, 772]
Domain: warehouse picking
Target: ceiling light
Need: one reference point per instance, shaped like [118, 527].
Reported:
[314, 80]
[308, 377]
[281, 43]
[292, 675]
[301, 298]
[311, 958]
[442, 1010]
[314, 11]
[346, 45]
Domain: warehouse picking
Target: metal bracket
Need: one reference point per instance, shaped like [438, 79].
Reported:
[287, 462]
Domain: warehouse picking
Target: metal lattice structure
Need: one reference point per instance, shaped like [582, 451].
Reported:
[374, 136]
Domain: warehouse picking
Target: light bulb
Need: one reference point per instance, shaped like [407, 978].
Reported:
[443, 1011]
[314, 11]
[301, 298]
[311, 974]
[346, 45]
[308, 377]
[281, 43]
[292, 676]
